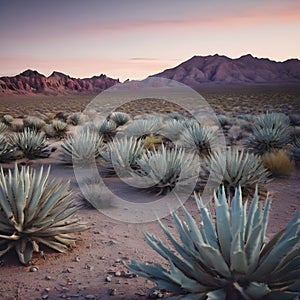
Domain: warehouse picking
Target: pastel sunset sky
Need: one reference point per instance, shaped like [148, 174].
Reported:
[136, 38]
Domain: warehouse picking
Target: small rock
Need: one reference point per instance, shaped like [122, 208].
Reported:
[112, 292]
[118, 274]
[33, 269]
[90, 296]
[47, 277]
[77, 259]
[108, 279]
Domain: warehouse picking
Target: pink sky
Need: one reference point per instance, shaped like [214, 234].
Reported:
[134, 39]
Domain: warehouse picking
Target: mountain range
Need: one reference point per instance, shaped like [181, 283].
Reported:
[32, 82]
[199, 70]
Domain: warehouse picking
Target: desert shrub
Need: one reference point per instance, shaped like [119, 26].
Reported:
[7, 151]
[143, 127]
[7, 119]
[17, 125]
[60, 127]
[35, 210]
[31, 143]
[296, 151]
[235, 167]
[224, 120]
[278, 162]
[120, 118]
[176, 116]
[168, 168]
[107, 129]
[295, 119]
[123, 152]
[152, 142]
[226, 258]
[34, 123]
[198, 138]
[270, 131]
[75, 118]
[83, 147]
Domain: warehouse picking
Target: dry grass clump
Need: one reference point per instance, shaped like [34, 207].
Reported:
[278, 162]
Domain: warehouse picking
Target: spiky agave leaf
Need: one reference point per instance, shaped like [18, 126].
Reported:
[168, 168]
[82, 147]
[7, 151]
[142, 127]
[199, 138]
[123, 152]
[31, 143]
[270, 131]
[229, 258]
[33, 210]
[3, 128]
[120, 118]
[235, 167]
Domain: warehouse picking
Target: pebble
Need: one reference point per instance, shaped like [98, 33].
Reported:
[112, 292]
[108, 279]
[33, 269]
[118, 274]
[90, 296]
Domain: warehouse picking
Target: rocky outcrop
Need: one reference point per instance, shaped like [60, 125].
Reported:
[222, 70]
[32, 82]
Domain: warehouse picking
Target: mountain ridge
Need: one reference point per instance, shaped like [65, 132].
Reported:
[31, 82]
[222, 70]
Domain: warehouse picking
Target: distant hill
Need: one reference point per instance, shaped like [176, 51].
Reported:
[222, 70]
[208, 70]
[32, 82]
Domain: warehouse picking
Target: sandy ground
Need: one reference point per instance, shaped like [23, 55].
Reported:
[95, 268]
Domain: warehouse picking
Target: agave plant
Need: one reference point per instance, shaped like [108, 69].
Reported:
[123, 152]
[143, 127]
[7, 151]
[120, 118]
[35, 210]
[31, 143]
[236, 167]
[173, 128]
[270, 131]
[228, 258]
[198, 138]
[168, 168]
[82, 147]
